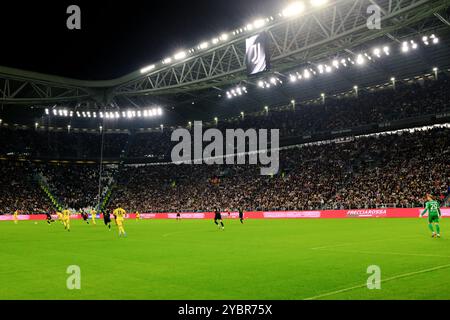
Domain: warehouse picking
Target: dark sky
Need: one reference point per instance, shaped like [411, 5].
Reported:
[117, 37]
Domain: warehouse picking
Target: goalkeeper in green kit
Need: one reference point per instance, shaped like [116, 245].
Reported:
[434, 213]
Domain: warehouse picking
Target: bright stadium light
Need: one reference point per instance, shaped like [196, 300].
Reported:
[320, 68]
[101, 115]
[318, 3]
[293, 78]
[386, 50]
[203, 46]
[65, 113]
[71, 113]
[100, 128]
[405, 47]
[84, 114]
[47, 112]
[180, 55]
[147, 69]
[306, 74]
[261, 84]
[36, 125]
[167, 60]
[377, 52]
[434, 39]
[328, 69]
[360, 59]
[293, 9]
[224, 37]
[335, 64]
[215, 41]
[259, 23]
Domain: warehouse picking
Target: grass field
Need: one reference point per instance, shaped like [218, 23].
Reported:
[263, 259]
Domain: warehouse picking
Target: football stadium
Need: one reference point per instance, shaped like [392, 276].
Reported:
[303, 155]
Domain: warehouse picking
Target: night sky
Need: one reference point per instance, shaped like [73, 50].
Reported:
[117, 37]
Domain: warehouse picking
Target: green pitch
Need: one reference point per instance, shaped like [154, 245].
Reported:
[262, 259]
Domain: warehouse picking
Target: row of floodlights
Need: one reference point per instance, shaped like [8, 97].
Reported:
[129, 114]
[235, 92]
[335, 64]
[294, 9]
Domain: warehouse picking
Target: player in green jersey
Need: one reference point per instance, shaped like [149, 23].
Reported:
[434, 213]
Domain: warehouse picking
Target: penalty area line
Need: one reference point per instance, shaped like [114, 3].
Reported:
[400, 276]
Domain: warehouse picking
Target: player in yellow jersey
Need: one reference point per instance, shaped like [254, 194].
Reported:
[138, 216]
[16, 216]
[93, 216]
[66, 219]
[120, 213]
[60, 217]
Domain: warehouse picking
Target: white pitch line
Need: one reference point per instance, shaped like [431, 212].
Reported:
[389, 253]
[350, 243]
[400, 276]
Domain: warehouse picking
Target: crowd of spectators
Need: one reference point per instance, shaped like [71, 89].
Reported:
[19, 189]
[395, 170]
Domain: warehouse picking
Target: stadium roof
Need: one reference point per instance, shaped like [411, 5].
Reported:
[194, 85]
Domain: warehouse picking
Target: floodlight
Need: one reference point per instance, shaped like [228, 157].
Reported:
[224, 37]
[293, 9]
[147, 69]
[306, 74]
[203, 45]
[360, 59]
[259, 23]
[167, 60]
[320, 67]
[180, 55]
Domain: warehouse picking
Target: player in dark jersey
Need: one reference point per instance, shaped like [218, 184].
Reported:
[218, 217]
[241, 215]
[107, 219]
[85, 216]
[49, 218]
[178, 216]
